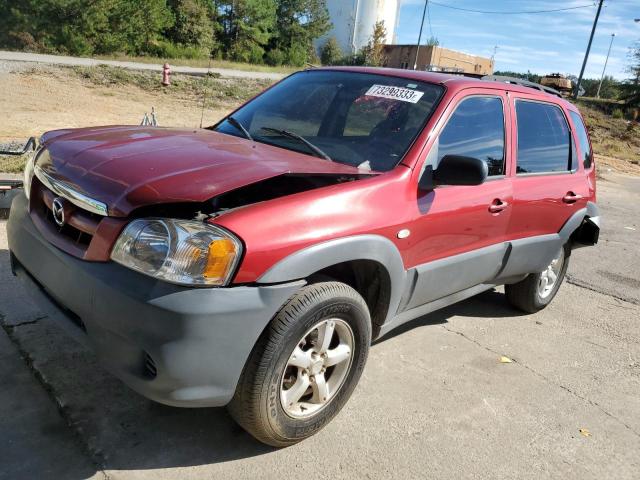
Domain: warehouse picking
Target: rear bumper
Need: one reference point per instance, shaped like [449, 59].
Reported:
[196, 340]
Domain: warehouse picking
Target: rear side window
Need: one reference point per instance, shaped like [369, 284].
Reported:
[544, 141]
[585, 146]
[475, 129]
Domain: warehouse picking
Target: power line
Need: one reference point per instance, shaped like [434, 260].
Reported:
[429, 17]
[497, 12]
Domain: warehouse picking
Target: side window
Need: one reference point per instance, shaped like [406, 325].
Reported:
[475, 129]
[585, 146]
[544, 140]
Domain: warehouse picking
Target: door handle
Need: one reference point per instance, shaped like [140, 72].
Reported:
[497, 206]
[571, 197]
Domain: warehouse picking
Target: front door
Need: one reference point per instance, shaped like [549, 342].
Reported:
[460, 231]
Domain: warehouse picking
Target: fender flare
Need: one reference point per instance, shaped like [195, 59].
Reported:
[591, 211]
[309, 260]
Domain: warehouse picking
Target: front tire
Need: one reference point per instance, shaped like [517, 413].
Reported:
[305, 365]
[537, 290]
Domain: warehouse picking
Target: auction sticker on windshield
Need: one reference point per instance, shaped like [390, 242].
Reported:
[395, 93]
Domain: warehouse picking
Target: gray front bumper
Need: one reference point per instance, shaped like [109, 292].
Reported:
[199, 339]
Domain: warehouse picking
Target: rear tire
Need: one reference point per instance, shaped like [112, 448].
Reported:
[321, 324]
[532, 294]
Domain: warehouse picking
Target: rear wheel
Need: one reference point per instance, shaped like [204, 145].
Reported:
[305, 365]
[537, 290]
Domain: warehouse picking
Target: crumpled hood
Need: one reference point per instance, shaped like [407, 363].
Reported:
[130, 167]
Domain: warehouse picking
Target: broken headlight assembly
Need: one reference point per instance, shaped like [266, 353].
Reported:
[184, 252]
[30, 165]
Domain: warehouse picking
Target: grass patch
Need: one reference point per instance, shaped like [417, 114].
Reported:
[12, 163]
[202, 62]
[218, 91]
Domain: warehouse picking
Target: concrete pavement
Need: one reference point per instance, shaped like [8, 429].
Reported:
[91, 62]
[434, 401]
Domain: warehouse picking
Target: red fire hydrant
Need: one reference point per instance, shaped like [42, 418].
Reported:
[166, 75]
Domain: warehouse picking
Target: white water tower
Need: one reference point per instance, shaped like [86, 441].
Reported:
[353, 21]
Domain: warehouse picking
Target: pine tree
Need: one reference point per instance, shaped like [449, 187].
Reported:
[299, 23]
[331, 54]
[374, 51]
[194, 25]
[631, 87]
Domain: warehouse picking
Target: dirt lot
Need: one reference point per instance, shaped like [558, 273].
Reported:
[40, 98]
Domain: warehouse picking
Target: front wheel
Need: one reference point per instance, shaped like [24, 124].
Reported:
[305, 365]
[537, 290]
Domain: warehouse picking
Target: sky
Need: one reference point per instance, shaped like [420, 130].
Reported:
[542, 43]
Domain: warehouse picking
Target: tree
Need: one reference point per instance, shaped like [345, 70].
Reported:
[298, 24]
[83, 28]
[531, 77]
[432, 42]
[246, 28]
[374, 51]
[610, 87]
[631, 87]
[193, 25]
[331, 53]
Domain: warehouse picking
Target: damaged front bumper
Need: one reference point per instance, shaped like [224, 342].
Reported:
[175, 345]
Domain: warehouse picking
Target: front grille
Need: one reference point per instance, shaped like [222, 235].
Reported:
[79, 227]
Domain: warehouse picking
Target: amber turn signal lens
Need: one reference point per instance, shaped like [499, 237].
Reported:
[220, 258]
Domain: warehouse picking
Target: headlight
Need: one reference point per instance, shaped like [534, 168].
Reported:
[178, 251]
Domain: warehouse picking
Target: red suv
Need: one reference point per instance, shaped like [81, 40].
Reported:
[252, 263]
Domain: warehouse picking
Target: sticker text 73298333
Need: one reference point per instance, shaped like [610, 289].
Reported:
[395, 93]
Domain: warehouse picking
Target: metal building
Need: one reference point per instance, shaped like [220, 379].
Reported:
[353, 21]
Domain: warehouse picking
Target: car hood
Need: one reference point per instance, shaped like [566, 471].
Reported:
[131, 167]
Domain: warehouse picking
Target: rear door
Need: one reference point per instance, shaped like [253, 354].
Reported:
[549, 183]
[458, 237]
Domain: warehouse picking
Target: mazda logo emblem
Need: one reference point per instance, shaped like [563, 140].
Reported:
[58, 211]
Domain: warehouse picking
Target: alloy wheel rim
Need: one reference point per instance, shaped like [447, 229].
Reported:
[549, 276]
[317, 368]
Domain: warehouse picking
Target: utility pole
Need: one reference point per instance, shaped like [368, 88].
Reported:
[586, 54]
[424, 12]
[605, 65]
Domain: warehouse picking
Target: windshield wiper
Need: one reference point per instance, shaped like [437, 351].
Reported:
[295, 136]
[239, 126]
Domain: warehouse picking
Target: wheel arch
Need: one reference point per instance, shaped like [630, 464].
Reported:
[371, 264]
[583, 227]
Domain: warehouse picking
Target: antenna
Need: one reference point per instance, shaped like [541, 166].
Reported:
[204, 91]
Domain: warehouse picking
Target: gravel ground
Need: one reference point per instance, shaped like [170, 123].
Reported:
[10, 66]
[38, 58]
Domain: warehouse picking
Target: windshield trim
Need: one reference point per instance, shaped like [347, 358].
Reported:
[410, 146]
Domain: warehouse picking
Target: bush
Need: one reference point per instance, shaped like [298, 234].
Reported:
[276, 57]
[297, 55]
[617, 113]
[331, 53]
[165, 49]
[23, 41]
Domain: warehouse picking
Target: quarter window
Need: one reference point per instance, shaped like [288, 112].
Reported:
[544, 140]
[475, 129]
[585, 146]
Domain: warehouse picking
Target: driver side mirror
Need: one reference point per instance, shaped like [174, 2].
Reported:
[455, 170]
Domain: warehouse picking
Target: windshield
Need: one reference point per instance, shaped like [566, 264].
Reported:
[359, 119]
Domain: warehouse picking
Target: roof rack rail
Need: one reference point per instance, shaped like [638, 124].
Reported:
[524, 83]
